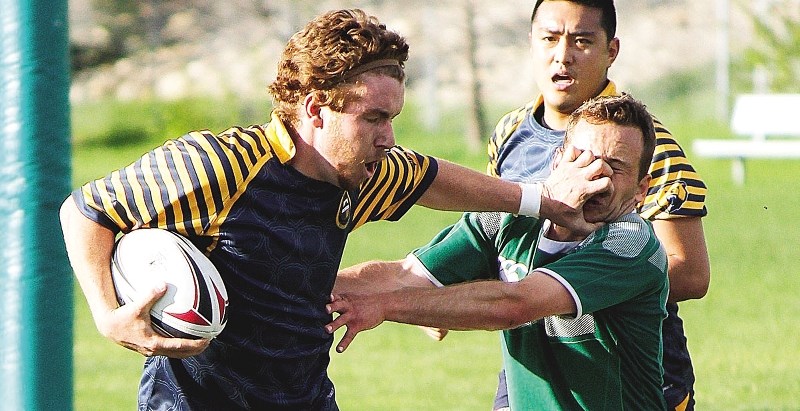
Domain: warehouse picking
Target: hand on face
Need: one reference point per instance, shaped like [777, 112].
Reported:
[577, 176]
[620, 147]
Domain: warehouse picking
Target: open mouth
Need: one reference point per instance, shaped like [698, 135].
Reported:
[562, 80]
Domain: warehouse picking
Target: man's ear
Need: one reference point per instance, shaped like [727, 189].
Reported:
[644, 184]
[613, 50]
[312, 109]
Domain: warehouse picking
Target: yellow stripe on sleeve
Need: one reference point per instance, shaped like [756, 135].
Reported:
[155, 190]
[202, 176]
[137, 193]
[390, 190]
[172, 192]
[106, 202]
[216, 164]
[188, 188]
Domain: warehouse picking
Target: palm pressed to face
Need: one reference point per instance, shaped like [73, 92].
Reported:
[357, 138]
[621, 148]
[571, 55]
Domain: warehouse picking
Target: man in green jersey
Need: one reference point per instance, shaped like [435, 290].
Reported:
[573, 44]
[581, 314]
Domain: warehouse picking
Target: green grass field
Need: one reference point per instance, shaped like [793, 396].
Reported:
[742, 336]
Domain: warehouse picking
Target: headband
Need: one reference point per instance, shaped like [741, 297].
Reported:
[369, 66]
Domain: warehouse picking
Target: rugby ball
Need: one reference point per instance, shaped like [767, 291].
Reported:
[196, 302]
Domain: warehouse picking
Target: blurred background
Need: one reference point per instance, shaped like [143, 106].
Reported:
[461, 50]
[146, 71]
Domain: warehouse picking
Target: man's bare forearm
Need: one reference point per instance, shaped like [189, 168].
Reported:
[560, 198]
[458, 188]
[380, 276]
[89, 246]
[689, 267]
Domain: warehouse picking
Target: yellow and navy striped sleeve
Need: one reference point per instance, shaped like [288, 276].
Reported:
[397, 184]
[183, 186]
[505, 127]
[676, 189]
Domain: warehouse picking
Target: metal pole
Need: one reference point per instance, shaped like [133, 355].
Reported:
[36, 291]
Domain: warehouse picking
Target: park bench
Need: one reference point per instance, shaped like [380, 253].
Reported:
[757, 116]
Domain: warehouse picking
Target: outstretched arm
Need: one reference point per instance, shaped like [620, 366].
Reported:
[89, 246]
[689, 268]
[381, 276]
[484, 305]
[576, 178]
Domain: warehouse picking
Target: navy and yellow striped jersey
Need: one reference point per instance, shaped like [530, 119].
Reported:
[520, 149]
[276, 237]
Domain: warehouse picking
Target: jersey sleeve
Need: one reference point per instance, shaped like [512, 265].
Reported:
[627, 264]
[180, 186]
[676, 189]
[502, 131]
[399, 181]
[460, 253]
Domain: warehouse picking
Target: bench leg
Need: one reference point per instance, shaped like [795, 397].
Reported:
[737, 170]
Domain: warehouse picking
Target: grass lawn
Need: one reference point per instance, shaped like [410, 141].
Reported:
[742, 336]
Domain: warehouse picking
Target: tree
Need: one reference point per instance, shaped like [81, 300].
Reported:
[777, 46]
[476, 114]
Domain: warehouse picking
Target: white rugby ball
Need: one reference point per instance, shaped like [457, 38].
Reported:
[196, 302]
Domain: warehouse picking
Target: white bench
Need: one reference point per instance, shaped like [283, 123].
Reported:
[758, 116]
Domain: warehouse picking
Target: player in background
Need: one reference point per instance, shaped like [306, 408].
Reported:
[573, 43]
[272, 206]
[581, 314]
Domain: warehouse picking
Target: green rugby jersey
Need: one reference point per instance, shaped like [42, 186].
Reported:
[607, 357]
[520, 149]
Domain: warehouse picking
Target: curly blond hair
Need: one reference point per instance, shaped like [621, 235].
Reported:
[318, 59]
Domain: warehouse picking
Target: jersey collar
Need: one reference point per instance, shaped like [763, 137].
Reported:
[279, 140]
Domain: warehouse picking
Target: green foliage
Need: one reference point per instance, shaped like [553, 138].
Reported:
[776, 49]
[678, 86]
[120, 131]
[160, 120]
[685, 104]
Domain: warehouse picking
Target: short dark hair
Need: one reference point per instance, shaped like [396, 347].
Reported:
[622, 110]
[608, 19]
